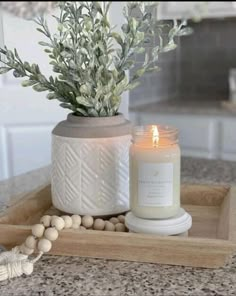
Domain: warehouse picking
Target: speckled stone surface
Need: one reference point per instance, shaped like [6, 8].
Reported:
[95, 277]
[14, 188]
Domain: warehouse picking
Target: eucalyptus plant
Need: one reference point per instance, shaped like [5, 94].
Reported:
[90, 58]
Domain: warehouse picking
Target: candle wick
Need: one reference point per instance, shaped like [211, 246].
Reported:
[155, 143]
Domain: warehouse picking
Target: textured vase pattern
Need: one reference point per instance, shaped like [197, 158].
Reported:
[90, 176]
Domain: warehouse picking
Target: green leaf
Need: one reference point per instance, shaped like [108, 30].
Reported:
[132, 85]
[40, 30]
[93, 112]
[185, 32]
[4, 70]
[17, 74]
[44, 44]
[155, 51]
[139, 72]
[120, 87]
[98, 7]
[39, 88]
[128, 65]
[83, 101]
[102, 112]
[153, 69]
[140, 50]
[85, 89]
[52, 96]
[118, 38]
[66, 106]
[16, 54]
[133, 24]
[169, 47]
[27, 83]
[81, 111]
[27, 66]
[125, 28]
[139, 37]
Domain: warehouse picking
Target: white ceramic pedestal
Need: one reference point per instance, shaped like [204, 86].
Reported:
[178, 225]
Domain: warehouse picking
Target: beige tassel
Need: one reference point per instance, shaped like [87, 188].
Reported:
[13, 264]
[11, 256]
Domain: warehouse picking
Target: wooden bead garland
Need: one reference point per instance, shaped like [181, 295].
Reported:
[121, 218]
[87, 221]
[48, 230]
[120, 227]
[58, 223]
[76, 221]
[114, 220]
[46, 220]
[30, 242]
[99, 224]
[26, 251]
[16, 261]
[51, 234]
[68, 221]
[38, 230]
[109, 226]
[44, 245]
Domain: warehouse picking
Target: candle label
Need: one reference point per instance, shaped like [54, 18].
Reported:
[155, 184]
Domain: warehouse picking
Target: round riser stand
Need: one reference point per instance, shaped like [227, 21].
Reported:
[184, 234]
[178, 225]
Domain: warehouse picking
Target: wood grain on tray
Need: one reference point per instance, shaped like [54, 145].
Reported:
[211, 240]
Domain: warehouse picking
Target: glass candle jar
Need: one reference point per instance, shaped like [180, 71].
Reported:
[155, 172]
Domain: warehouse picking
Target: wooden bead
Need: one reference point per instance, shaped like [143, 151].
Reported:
[87, 221]
[120, 227]
[114, 220]
[38, 230]
[26, 251]
[68, 221]
[76, 220]
[58, 223]
[51, 234]
[46, 220]
[109, 226]
[30, 242]
[75, 226]
[121, 218]
[99, 224]
[44, 245]
[82, 228]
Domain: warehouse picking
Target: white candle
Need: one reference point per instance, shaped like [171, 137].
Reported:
[155, 172]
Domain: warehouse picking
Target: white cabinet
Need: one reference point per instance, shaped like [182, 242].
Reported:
[228, 139]
[189, 9]
[211, 137]
[197, 136]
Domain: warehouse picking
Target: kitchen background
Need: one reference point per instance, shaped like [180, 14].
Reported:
[198, 69]
[195, 88]
[191, 92]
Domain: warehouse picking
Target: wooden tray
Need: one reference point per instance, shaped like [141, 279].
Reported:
[211, 241]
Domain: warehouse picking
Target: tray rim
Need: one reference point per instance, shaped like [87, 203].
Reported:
[223, 247]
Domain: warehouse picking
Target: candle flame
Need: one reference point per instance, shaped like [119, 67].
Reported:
[155, 135]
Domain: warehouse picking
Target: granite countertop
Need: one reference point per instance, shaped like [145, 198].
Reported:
[54, 275]
[186, 106]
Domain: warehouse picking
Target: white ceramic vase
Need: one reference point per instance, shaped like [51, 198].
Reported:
[90, 165]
